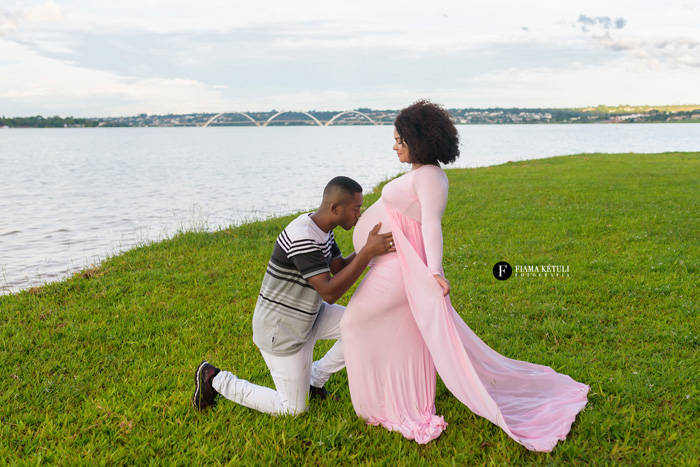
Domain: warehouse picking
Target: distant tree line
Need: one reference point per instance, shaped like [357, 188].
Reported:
[50, 122]
[600, 114]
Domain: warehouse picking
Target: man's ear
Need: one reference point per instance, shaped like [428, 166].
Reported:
[335, 208]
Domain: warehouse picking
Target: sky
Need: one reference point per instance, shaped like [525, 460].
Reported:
[85, 58]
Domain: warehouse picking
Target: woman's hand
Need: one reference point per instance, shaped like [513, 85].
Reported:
[444, 283]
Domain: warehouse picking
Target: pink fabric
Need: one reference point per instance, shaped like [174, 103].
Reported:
[398, 329]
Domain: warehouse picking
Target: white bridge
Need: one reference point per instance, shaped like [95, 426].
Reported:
[316, 120]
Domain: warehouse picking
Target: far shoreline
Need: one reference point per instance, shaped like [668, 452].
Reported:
[694, 120]
[366, 116]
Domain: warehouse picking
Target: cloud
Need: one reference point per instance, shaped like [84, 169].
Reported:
[11, 20]
[278, 60]
[674, 52]
[584, 85]
[641, 52]
[67, 89]
[605, 22]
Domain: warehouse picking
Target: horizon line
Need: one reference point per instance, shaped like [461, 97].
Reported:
[688, 107]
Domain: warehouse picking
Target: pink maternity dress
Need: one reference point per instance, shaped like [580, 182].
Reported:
[399, 329]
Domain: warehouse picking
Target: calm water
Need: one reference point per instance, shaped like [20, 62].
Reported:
[71, 197]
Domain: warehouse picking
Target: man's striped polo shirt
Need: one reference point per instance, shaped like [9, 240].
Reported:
[288, 305]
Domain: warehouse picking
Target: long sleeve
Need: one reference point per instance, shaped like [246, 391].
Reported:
[431, 186]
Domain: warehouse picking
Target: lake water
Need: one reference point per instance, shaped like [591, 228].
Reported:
[71, 197]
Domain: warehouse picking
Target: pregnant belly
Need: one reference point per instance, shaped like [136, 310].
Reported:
[374, 214]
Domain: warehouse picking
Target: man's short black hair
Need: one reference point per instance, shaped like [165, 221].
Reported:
[344, 184]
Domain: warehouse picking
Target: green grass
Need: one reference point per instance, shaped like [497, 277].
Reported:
[98, 369]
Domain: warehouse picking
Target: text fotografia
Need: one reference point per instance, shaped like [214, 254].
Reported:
[543, 270]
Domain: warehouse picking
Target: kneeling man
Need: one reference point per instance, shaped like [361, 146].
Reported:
[305, 276]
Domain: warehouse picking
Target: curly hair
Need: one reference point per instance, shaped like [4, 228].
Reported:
[429, 132]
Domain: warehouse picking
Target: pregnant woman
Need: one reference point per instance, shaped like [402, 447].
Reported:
[400, 328]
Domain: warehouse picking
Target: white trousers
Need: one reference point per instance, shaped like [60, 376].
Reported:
[292, 374]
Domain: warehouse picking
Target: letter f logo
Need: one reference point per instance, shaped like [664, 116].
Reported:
[502, 271]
